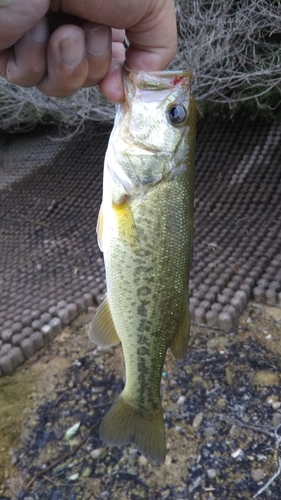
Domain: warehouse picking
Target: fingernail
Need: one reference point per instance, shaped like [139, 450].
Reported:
[98, 41]
[40, 31]
[73, 49]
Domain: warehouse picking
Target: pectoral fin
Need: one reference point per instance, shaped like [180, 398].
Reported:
[101, 329]
[126, 224]
[100, 228]
[179, 343]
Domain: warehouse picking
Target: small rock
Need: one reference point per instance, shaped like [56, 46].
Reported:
[266, 378]
[197, 420]
[217, 343]
[229, 376]
[97, 453]
[222, 402]
[132, 470]
[86, 472]
[72, 431]
[139, 494]
[272, 399]
[142, 460]
[168, 460]
[276, 419]
[82, 402]
[13, 460]
[257, 474]
[181, 400]
[211, 473]
[74, 477]
[236, 453]
[209, 431]
[178, 428]
[235, 431]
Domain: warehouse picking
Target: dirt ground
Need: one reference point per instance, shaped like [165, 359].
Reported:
[222, 409]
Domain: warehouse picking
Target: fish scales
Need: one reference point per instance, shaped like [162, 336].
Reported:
[145, 230]
[152, 281]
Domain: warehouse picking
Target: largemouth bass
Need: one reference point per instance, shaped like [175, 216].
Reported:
[145, 230]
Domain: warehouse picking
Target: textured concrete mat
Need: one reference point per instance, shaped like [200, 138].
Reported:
[51, 268]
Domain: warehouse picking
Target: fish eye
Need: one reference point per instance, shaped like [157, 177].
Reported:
[176, 114]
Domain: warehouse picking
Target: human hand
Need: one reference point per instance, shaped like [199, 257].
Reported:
[63, 45]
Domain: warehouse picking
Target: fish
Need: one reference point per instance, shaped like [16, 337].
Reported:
[145, 231]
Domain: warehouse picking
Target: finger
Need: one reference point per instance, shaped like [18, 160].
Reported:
[67, 66]
[150, 27]
[111, 85]
[118, 35]
[27, 63]
[17, 17]
[4, 58]
[118, 49]
[98, 52]
[153, 44]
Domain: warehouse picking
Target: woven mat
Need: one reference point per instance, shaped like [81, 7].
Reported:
[51, 269]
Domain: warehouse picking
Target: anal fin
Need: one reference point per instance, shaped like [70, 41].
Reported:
[179, 343]
[101, 329]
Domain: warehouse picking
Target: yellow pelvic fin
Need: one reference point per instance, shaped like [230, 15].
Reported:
[100, 228]
[124, 424]
[125, 222]
[101, 329]
[179, 343]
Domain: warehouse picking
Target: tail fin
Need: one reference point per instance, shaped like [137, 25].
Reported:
[124, 424]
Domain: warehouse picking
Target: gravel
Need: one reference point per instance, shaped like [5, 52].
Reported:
[221, 407]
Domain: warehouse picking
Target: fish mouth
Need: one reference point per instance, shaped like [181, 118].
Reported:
[138, 148]
[143, 150]
[168, 79]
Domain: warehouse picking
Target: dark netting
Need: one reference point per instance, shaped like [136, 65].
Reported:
[51, 269]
